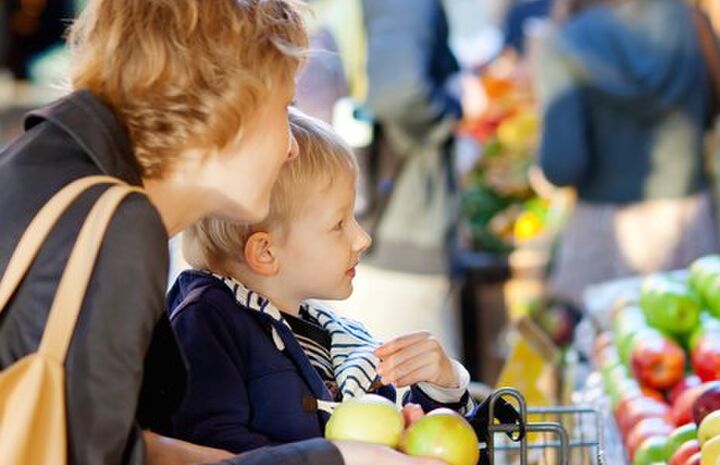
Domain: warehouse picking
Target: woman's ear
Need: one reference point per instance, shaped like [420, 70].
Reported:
[259, 254]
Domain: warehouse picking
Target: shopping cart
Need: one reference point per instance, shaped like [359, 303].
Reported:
[503, 443]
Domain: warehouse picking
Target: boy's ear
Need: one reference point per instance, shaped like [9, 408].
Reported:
[259, 254]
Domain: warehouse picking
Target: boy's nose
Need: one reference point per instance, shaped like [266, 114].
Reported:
[293, 149]
[362, 239]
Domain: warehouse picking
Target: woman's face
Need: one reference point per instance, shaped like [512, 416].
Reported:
[243, 175]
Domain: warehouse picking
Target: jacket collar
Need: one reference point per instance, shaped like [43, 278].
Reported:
[282, 334]
[94, 126]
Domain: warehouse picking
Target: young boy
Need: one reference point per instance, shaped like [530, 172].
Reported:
[266, 364]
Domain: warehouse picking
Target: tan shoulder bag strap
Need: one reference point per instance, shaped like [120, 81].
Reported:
[74, 282]
[36, 233]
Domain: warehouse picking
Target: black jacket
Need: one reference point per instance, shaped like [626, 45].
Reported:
[79, 136]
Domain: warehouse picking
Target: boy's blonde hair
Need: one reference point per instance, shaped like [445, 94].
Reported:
[185, 73]
[323, 156]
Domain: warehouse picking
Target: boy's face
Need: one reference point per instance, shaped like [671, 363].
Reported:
[323, 244]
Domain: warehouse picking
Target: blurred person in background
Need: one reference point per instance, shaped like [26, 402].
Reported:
[33, 26]
[625, 93]
[519, 15]
[417, 95]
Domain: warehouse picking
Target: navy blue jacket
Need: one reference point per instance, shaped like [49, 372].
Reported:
[244, 393]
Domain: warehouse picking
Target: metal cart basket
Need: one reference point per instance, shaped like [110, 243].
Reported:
[570, 435]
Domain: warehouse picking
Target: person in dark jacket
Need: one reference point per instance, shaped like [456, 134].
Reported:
[266, 363]
[625, 95]
[165, 99]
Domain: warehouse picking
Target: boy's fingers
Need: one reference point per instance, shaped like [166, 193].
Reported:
[401, 342]
[400, 357]
[412, 413]
[422, 373]
[405, 369]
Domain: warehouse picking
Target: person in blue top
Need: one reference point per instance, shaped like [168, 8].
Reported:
[267, 364]
[625, 92]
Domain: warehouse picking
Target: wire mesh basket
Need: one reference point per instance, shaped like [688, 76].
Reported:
[561, 435]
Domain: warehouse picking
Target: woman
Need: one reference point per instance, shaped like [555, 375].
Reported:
[187, 98]
[625, 100]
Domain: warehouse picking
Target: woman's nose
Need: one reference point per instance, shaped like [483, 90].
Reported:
[293, 149]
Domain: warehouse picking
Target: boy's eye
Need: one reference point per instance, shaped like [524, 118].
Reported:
[338, 226]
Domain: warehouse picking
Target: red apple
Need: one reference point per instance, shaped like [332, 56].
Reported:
[644, 429]
[706, 358]
[637, 410]
[708, 401]
[683, 453]
[652, 393]
[442, 434]
[682, 409]
[694, 459]
[658, 362]
[684, 384]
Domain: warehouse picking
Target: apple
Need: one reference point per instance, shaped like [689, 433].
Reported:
[637, 410]
[709, 427]
[684, 452]
[705, 357]
[652, 393]
[702, 332]
[710, 451]
[702, 272]
[711, 294]
[442, 434]
[682, 409]
[687, 382]
[694, 459]
[657, 361]
[669, 304]
[650, 451]
[708, 401]
[644, 429]
[370, 418]
[679, 436]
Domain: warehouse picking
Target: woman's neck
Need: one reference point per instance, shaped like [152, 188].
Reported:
[178, 205]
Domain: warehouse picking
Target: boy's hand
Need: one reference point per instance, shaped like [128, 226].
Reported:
[413, 358]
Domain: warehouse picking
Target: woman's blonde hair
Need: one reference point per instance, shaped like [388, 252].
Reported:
[185, 73]
[323, 156]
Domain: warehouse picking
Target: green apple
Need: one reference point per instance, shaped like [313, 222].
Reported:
[370, 418]
[442, 434]
[651, 450]
[702, 270]
[710, 452]
[711, 294]
[678, 437]
[709, 427]
[669, 304]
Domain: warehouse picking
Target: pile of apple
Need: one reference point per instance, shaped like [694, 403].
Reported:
[660, 365]
[441, 434]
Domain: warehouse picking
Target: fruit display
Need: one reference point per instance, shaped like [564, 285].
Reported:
[659, 360]
[441, 434]
[499, 207]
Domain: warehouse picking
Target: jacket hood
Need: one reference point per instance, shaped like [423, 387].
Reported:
[642, 52]
[185, 283]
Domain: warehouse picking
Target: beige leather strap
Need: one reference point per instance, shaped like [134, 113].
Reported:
[36, 233]
[74, 282]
